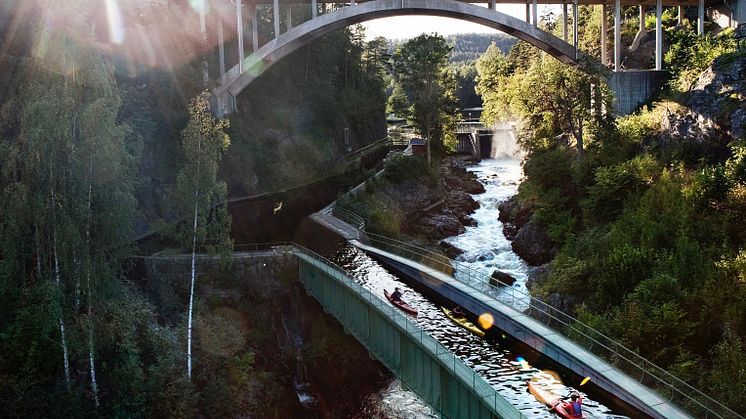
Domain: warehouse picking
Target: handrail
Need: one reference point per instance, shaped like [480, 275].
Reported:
[681, 393]
[447, 359]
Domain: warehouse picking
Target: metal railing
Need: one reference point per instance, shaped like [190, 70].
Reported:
[447, 359]
[668, 386]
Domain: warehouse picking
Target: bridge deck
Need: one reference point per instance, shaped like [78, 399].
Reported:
[536, 335]
[582, 2]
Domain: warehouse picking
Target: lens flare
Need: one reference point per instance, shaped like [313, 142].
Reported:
[523, 362]
[115, 21]
[486, 321]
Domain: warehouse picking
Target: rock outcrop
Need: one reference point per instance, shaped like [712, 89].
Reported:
[533, 245]
[513, 216]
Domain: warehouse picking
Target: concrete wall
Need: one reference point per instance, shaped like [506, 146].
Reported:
[633, 88]
[739, 9]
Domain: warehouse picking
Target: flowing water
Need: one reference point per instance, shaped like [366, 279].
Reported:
[485, 248]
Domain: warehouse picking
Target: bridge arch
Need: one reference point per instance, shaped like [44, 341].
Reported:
[237, 78]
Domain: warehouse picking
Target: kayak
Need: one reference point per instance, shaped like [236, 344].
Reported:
[463, 322]
[553, 402]
[401, 304]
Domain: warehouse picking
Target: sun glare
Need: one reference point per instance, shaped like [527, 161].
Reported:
[116, 23]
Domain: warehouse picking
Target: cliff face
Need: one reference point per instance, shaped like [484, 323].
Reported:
[716, 106]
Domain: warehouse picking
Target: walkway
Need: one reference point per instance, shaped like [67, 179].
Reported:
[533, 333]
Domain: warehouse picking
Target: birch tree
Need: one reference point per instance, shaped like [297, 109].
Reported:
[199, 192]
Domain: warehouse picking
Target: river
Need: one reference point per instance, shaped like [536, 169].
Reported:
[486, 249]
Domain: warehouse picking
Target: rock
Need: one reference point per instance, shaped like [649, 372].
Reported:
[513, 216]
[439, 226]
[499, 278]
[538, 275]
[450, 250]
[533, 245]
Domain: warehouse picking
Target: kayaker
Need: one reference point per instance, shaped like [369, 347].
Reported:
[457, 311]
[575, 407]
[396, 295]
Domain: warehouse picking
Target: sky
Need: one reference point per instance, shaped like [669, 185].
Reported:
[404, 27]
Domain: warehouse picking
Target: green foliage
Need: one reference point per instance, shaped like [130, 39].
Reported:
[728, 376]
[690, 54]
[399, 168]
[420, 67]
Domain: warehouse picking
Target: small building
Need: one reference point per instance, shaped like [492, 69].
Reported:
[419, 146]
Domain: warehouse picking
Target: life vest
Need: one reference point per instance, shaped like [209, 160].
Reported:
[577, 410]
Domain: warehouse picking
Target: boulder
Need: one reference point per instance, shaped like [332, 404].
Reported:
[450, 250]
[513, 216]
[533, 245]
[439, 226]
[499, 278]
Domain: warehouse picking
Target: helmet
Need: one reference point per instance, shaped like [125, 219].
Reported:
[574, 396]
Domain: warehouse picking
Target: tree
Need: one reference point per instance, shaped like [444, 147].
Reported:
[203, 141]
[552, 97]
[420, 67]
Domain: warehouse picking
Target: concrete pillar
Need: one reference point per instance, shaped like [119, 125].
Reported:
[314, 9]
[221, 46]
[618, 35]
[642, 18]
[276, 17]
[493, 4]
[701, 18]
[681, 15]
[254, 28]
[528, 13]
[535, 11]
[239, 32]
[564, 21]
[604, 29]
[352, 2]
[658, 35]
[289, 17]
[575, 26]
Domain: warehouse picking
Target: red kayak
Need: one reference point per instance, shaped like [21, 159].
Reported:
[401, 304]
[553, 402]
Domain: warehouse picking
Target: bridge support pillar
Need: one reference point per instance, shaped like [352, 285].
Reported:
[642, 18]
[575, 26]
[535, 11]
[617, 35]
[604, 30]
[276, 17]
[528, 13]
[289, 17]
[680, 18]
[564, 22]
[239, 33]
[658, 35]
[221, 47]
[314, 9]
[254, 28]
[701, 18]
[493, 4]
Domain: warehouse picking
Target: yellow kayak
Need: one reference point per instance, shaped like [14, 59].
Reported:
[463, 322]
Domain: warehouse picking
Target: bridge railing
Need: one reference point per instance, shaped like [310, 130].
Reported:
[447, 359]
[668, 386]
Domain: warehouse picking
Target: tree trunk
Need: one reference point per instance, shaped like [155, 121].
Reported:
[63, 341]
[191, 291]
[91, 359]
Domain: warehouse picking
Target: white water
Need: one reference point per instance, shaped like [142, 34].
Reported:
[485, 247]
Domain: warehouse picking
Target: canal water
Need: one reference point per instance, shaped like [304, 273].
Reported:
[499, 361]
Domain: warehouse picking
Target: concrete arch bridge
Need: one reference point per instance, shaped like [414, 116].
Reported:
[314, 19]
